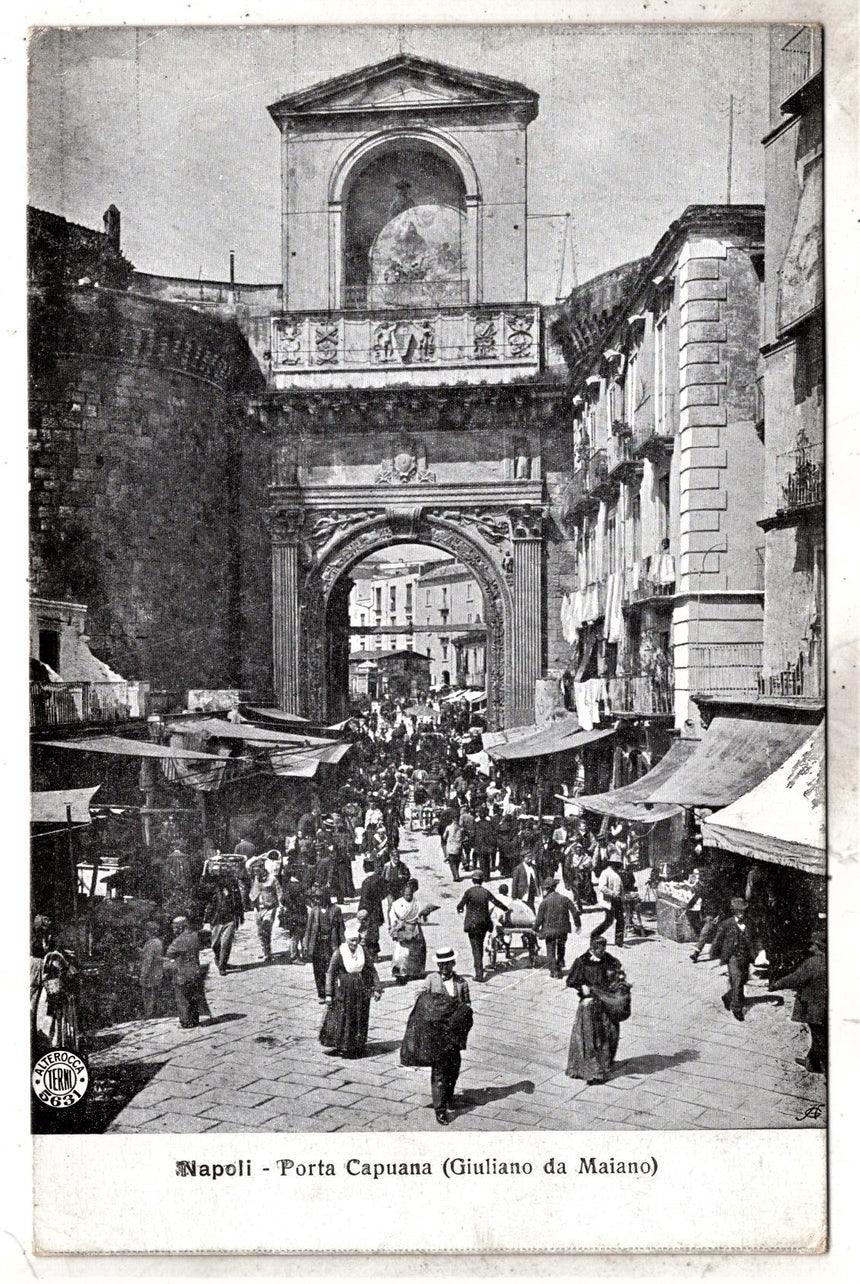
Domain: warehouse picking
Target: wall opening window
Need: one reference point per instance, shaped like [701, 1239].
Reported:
[635, 528]
[611, 538]
[660, 400]
[630, 394]
[663, 501]
[392, 598]
[49, 648]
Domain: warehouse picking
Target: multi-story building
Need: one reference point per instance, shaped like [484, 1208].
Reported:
[666, 597]
[793, 369]
[420, 606]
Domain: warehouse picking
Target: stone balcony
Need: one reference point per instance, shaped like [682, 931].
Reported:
[494, 343]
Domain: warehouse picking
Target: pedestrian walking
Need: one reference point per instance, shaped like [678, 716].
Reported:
[475, 906]
[405, 927]
[552, 923]
[395, 875]
[810, 982]
[151, 969]
[371, 904]
[224, 914]
[323, 935]
[183, 954]
[265, 897]
[294, 914]
[351, 981]
[595, 1033]
[437, 1031]
[735, 947]
[452, 846]
[524, 884]
[610, 891]
[710, 895]
[484, 842]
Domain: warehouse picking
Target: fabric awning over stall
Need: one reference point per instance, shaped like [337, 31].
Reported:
[734, 755]
[127, 748]
[275, 715]
[50, 807]
[633, 801]
[782, 819]
[220, 729]
[546, 741]
[305, 762]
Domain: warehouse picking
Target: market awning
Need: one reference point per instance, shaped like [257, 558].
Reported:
[491, 739]
[275, 715]
[782, 819]
[127, 748]
[50, 806]
[633, 801]
[304, 763]
[734, 755]
[220, 729]
[547, 741]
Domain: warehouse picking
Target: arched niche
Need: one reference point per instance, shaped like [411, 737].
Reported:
[404, 223]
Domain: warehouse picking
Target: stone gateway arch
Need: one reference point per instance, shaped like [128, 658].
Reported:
[409, 398]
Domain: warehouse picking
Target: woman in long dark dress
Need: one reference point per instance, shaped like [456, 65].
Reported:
[350, 983]
[594, 1038]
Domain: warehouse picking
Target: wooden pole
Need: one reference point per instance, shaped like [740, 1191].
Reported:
[71, 848]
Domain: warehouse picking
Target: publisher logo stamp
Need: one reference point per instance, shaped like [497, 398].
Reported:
[60, 1079]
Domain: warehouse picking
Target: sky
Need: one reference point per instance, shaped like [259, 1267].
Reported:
[170, 125]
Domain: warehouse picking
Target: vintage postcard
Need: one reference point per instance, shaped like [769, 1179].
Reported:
[427, 638]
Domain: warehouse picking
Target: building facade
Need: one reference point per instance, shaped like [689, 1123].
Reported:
[420, 606]
[793, 369]
[665, 595]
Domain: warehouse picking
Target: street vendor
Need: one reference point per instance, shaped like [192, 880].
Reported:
[265, 897]
[184, 956]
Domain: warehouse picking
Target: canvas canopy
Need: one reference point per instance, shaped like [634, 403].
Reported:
[220, 729]
[126, 748]
[782, 819]
[50, 806]
[546, 741]
[734, 755]
[633, 802]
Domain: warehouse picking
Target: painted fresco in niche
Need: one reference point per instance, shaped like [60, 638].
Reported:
[417, 259]
[403, 231]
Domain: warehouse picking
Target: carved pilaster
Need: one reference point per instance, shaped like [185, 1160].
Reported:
[286, 527]
[526, 530]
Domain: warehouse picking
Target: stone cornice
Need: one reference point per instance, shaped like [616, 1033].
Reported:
[372, 499]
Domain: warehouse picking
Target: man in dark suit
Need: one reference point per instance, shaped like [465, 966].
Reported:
[476, 902]
[371, 902]
[524, 886]
[323, 935]
[484, 843]
[736, 948]
[445, 1069]
[553, 922]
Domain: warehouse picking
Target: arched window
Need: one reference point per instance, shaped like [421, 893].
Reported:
[405, 230]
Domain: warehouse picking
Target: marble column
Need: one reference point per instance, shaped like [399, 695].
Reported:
[286, 525]
[526, 538]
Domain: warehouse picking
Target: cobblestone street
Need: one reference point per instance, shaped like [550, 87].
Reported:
[258, 1066]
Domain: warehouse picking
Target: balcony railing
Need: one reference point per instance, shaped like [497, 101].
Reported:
[652, 439]
[62, 704]
[802, 474]
[488, 343]
[795, 64]
[726, 668]
[642, 693]
[587, 483]
[621, 463]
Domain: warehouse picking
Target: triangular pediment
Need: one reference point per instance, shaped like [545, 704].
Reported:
[405, 83]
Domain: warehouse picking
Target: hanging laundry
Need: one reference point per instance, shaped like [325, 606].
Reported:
[583, 710]
[665, 570]
[614, 614]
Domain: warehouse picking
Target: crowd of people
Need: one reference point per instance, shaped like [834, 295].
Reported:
[296, 872]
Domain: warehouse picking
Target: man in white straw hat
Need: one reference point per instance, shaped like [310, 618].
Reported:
[445, 1070]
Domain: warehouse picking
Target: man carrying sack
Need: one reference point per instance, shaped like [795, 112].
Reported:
[437, 1030]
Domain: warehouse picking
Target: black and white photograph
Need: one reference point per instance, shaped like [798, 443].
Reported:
[427, 580]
